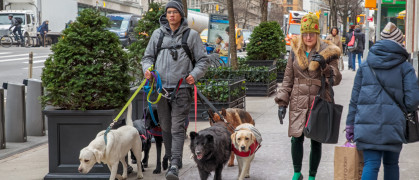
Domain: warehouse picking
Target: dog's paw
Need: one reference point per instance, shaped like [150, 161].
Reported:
[165, 163]
[145, 165]
[140, 176]
[157, 171]
[230, 164]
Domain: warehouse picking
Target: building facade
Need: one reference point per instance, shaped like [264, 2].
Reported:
[292, 5]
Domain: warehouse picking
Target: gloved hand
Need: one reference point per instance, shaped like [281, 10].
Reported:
[282, 110]
[349, 133]
[320, 59]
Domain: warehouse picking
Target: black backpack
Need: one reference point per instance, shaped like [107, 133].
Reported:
[19, 20]
[184, 45]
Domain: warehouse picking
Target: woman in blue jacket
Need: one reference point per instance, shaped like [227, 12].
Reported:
[374, 121]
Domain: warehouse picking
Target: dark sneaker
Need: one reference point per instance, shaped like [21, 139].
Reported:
[172, 173]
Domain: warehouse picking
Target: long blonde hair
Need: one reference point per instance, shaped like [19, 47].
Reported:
[304, 46]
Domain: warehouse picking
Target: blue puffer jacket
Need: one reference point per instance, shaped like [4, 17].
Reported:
[378, 123]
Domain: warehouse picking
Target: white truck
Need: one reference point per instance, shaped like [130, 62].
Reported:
[34, 12]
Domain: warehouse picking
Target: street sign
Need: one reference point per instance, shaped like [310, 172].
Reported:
[388, 1]
[370, 19]
[197, 10]
[325, 14]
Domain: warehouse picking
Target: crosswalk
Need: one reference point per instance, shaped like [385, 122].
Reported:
[23, 58]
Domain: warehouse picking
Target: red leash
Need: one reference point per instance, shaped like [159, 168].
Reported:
[196, 105]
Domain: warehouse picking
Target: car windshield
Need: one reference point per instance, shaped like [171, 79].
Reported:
[294, 29]
[4, 18]
[118, 23]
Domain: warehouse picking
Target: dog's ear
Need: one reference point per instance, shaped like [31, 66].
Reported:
[193, 134]
[210, 138]
[98, 155]
[233, 139]
[224, 112]
[252, 137]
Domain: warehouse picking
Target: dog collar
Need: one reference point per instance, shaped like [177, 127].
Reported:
[252, 150]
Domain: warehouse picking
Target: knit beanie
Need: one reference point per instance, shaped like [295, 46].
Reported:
[392, 32]
[177, 4]
[310, 23]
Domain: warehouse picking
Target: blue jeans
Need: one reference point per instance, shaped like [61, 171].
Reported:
[349, 59]
[372, 163]
[16, 31]
[353, 60]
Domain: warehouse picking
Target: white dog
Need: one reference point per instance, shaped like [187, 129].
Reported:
[119, 142]
[246, 140]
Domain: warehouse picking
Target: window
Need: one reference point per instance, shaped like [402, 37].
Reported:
[28, 18]
[289, 9]
[289, 1]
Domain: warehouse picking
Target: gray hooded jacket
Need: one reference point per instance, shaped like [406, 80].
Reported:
[170, 70]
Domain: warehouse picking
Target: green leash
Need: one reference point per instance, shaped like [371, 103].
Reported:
[123, 109]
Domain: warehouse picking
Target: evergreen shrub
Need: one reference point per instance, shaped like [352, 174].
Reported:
[267, 42]
[88, 69]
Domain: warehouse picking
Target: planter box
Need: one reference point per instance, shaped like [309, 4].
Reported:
[260, 89]
[280, 76]
[202, 109]
[69, 132]
[261, 62]
[222, 93]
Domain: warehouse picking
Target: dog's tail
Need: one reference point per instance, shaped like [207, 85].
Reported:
[129, 115]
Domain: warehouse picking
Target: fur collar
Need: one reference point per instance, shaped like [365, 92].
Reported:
[327, 49]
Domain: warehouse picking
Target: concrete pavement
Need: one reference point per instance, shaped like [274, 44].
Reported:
[272, 161]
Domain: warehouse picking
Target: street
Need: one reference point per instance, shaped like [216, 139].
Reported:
[14, 63]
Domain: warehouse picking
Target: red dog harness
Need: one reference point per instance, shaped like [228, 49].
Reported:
[252, 150]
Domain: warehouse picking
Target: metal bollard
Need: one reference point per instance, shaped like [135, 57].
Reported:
[35, 121]
[15, 112]
[2, 133]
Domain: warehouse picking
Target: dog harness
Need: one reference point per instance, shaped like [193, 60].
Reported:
[252, 150]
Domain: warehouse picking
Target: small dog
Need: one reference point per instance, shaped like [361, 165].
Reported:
[211, 149]
[234, 117]
[245, 144]
[119, 142]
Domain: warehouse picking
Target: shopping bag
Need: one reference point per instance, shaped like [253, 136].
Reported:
[324, 118]
[348, 163]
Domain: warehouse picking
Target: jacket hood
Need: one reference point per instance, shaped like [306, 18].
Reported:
[164, 25]
[386, 54]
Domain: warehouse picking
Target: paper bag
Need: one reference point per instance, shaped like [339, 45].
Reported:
[348, 163]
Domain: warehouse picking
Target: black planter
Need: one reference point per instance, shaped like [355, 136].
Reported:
[280, 76]
[260, 89]
[261, 62]
[70, 131]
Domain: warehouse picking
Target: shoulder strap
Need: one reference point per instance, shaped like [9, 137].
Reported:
[185, 46]
[375, 75]
[159, 44]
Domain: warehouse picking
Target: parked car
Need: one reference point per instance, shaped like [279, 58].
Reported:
[246, 37]
[123, 26]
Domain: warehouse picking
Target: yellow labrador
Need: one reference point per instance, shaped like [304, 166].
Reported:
[245, 144]
[119, 142]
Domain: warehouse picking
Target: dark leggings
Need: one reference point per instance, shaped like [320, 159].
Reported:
[297, 151]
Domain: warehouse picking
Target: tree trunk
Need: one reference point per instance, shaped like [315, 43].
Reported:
[232, 35]
[185, 7]
[264, 10]
[1, 4]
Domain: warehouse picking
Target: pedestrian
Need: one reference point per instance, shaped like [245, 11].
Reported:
[337, 40]
[174, 63]
[43, 32]
[347, 39]
[375, 122]
[309, 59]
[360, 38]
[17, 23]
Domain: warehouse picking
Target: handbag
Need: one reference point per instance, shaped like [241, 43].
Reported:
[324, 118]
[411, 133]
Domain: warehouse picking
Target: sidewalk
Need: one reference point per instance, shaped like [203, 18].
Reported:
[272, 161]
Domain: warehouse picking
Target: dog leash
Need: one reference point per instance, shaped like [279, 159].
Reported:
[203, 98]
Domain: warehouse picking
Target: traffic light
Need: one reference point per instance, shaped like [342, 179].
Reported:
[360, 19]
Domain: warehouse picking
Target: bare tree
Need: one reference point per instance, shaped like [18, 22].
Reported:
[1, 4]
[348, 8]
[276, 14]
[185, 7]
[264, 10]
[241, 12]
[232, 35]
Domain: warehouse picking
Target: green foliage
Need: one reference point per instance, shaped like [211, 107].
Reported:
[143, 31]
[267, 42]
[221, 90]
[88, 69]
[281, 64]
[252, 74]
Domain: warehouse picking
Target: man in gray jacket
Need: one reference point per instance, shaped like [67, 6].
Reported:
[173, 63]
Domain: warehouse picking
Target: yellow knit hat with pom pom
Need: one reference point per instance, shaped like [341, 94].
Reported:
[310, 23]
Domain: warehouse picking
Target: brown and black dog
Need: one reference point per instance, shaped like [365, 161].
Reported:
[234, 118]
